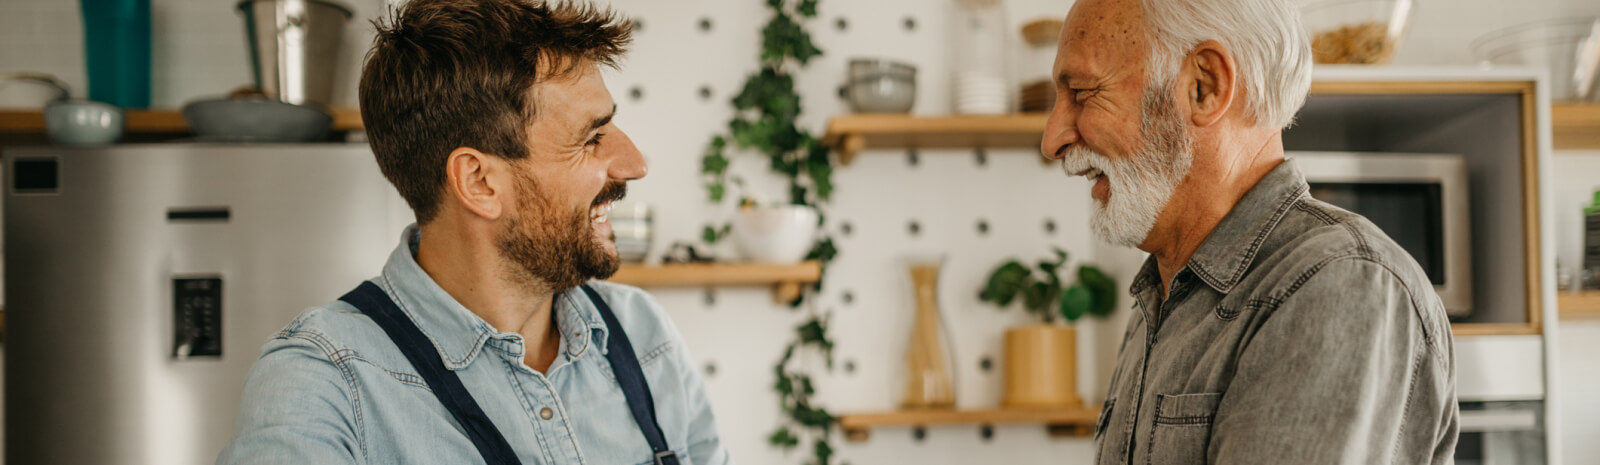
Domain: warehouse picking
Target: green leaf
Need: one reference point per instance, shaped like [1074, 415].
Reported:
[1075, 302]
[822, 451]
[807, 8]
[824, 250]
[1101, 287]
[783, 438]
[1036, 298]
[716, 190]
[708, 235]
[1005, 283]
[1061, 256]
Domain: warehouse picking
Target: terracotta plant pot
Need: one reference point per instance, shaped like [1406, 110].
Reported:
[1041, 367]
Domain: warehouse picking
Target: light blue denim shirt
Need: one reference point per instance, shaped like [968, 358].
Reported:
[331, 388]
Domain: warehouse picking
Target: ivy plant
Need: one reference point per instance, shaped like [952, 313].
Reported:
[1045, 295]
[766, 111]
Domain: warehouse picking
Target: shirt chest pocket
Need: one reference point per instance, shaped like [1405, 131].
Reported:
[1182, 429]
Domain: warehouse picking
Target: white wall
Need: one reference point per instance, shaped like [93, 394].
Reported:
[200, 52]
[1576, 176]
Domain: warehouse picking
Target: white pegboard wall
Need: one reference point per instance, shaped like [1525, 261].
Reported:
[688, 48]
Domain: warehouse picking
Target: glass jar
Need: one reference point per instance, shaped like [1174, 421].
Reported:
[982, 58]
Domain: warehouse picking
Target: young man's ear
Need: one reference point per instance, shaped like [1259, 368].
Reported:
[477, 182]
[1209, 79]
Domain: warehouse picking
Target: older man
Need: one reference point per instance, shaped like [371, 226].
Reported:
[483, 340]
[1272, 328]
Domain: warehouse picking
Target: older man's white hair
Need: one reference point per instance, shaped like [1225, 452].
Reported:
[1267, 40]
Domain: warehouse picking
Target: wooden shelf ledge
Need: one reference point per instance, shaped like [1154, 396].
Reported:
[1064, 422]
[1575, 126]
[850, 134]
[1578, 305]
[158, 121]
[786, 280]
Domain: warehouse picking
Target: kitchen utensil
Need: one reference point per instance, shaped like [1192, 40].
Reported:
[29, 90]
[1569, 48]
[1363, 32]
[930, 373]
[633, 226]
[82, 122]
[294, 47]
[116, 43]
[881, 86]
[778, 235]
[256, 120]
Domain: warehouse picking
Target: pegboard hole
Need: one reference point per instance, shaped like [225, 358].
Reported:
[841, 24]
[848, 297]
[1049, 226]
[849, 367]
[986, 364]
[710, 298]
[910, 24]
[911, 158]
[705, 24]
[983, 227]
[638, 25]
[636, 93]
[711, 369]
[986, 432]
[919, 433]
[705, 92]
[981, 157]
[914, 228]
[845, 228]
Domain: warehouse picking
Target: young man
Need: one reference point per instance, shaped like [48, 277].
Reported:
[1272, 328]
[484, 339]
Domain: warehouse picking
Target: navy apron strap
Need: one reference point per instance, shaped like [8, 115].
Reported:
[373, 302]
[625, 364]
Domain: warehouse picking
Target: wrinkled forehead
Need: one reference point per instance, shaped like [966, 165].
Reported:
[1102, 33]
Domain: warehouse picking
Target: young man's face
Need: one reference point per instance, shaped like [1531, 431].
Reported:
[578, 163]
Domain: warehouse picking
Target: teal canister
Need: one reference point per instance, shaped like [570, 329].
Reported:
[116, 42]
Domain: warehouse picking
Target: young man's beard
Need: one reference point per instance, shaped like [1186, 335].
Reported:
[549, 247]
[1143, 183]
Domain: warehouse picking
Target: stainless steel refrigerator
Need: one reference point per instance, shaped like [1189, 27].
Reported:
[141, 281]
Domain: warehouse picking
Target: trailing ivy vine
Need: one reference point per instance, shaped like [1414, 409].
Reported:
[764, 121]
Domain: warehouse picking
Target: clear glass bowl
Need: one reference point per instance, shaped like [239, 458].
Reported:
[1569, 48]
[1364, 32]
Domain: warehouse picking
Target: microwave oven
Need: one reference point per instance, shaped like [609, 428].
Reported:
[1419, 200]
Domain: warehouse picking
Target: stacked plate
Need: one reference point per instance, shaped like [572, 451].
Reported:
[1038, 97]
[980, 93]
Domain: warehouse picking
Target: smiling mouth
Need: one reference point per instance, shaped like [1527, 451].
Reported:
[600, 210]
[1094, 174]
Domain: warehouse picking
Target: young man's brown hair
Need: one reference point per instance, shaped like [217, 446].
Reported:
[444, 74]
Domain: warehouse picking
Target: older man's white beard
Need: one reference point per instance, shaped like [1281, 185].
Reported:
[1140, 185]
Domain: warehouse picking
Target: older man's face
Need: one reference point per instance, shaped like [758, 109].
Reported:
[1112, 123]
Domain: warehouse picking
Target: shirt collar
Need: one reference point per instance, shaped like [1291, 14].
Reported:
[1231, 247]
[460, 335]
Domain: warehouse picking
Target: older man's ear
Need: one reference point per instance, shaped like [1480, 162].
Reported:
[1208, 79]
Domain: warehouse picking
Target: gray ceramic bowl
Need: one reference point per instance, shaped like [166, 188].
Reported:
[82, 122]
[256, 120]
[881, 86]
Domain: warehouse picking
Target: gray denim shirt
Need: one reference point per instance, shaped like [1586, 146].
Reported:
[1298, 333]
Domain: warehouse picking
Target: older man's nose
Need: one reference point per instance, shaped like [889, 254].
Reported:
[1060, 130]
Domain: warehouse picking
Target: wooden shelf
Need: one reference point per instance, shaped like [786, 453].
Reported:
[1575, 305]
[786, 280]
[1575, 126]
[168, 121]
[851, 134]
[1077, 422]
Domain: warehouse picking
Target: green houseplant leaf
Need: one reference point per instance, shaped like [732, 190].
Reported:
[1005, 283]
[1102, 289]
[1075, 302]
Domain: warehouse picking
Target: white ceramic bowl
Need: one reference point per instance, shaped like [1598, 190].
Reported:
[777, 235]
[29, 91]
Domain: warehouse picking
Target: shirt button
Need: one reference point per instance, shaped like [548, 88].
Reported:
[545, 413]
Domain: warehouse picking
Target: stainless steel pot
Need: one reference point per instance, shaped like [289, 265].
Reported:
[294, 47]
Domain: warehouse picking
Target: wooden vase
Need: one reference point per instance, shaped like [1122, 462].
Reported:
[929, 382]
[1041, 367]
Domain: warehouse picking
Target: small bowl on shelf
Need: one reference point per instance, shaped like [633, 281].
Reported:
[1358, 32]
[780, 235]
[83, 123]
[880, 86]
[1568, 48]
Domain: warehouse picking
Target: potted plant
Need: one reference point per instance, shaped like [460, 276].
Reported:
[1040, 359]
